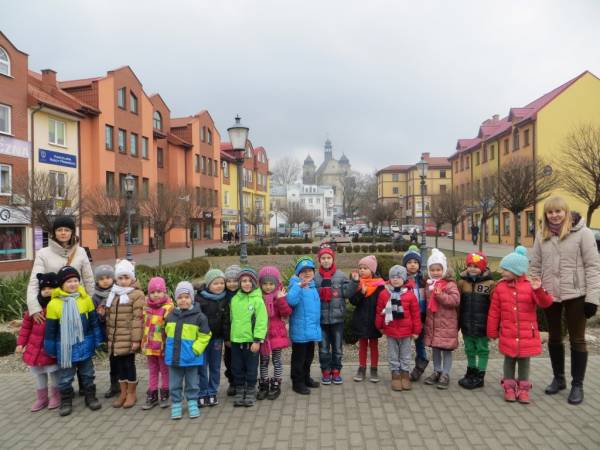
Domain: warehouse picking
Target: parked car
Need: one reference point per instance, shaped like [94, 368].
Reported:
[431, 231]
[320, 233]
[354, 230]
[335, 232]
[395, 229]
[450, 235]
[297, 233]
[408, 229]
[384, 231]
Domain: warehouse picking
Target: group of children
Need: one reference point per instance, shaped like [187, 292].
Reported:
[240, 316]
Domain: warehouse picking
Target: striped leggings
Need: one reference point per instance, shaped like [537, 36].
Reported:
[275, 356]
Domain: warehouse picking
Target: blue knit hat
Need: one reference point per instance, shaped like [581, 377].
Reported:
[251, 273]
[516, 262]
[412, 253]
[304, 262]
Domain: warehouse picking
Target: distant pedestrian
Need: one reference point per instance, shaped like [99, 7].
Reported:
[474, 233]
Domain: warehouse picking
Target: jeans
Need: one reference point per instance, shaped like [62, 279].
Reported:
[156, 366]
[302, 357]
[442, 360]
[176, 377]
[477, 351]
[244, 365]
[210, 372]
[84, 368]
[125, 368]
[510, 366]
[330, 348]
[399, 353]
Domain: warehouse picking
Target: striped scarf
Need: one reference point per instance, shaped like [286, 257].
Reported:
[71, 329]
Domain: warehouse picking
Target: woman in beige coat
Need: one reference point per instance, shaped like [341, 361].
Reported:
[565, 257]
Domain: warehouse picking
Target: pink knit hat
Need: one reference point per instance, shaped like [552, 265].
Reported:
[157, 284]
[269, 273]
[369, 261]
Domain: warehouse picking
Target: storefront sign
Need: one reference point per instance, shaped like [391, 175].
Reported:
[57, 158]
[38, 238]
[13, 216]
[14, 147]
[207, 215]
[229, 212]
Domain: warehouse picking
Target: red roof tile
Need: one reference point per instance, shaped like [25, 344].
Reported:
[54, 97]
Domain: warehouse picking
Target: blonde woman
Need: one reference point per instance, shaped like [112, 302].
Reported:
[565, 257]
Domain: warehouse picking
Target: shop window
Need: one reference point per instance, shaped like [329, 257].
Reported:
[58, 184]
[207, 231]
[12, 243]
[105, 237]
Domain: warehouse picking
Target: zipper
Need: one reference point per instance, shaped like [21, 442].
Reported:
[532, 330]
[115, 329]
[518, 320]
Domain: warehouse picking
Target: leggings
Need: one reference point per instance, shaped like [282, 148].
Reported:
[277, 365]
[41, 380]
[442, 360]
[510, 365]
[373, 345]
[575, 323]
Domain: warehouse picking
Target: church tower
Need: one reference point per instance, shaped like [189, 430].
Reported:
[328, 151]
[308, 171]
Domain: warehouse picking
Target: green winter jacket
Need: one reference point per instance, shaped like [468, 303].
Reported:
[249, 319]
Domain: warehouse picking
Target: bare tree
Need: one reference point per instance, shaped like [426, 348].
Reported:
[580, 166]
[190, 212]
[452, 209]
[353, 187]
[438, 215]
[522, 183]
[286, 171]
[297, 214]
[254, 216]
[485, 198]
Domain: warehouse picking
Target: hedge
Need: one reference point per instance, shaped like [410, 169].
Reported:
[234, 250]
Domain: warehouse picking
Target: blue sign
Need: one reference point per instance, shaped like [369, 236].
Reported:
[57, 158]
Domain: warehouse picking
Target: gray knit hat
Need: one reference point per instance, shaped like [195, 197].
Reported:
[398, 271]
[212, 275]
[184, 287]
[104, 270]
[232, 272]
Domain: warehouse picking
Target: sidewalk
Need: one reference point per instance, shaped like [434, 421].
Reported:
[495, 250]
[350, 416]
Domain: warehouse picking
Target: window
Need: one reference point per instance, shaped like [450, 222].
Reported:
[159, 157]
[121, 98]
[157, 121]
[137, 232]
[395, 190]
[467, 162]
[133, 103]
[506, 223]
[110, 183]
[442, 173]
[133, 144]
[209, 136]
[442, 188]
[144, 147]
[57, 184]
[56, 132]
[492, 152]
[122, 141]
[203, 134]
[5, 179]
[203, 165]
[226, 198]
[225, 169]
[395, 177]
[506, 146]
[197, 163]
[210, 167]
[515, 140]
[109, 132]
[215, 168]
[484, 155]
[526, 137]
[476, 158]
[4, 62]
[5, 111]
[496, 225]
[530, 223]
[145, 188]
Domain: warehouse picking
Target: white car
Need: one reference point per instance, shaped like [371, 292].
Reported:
[335, 232]
[320, 232]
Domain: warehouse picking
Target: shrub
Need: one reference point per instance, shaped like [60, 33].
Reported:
[289, 250]
[372, 248]
[401, 245]
[364, 248]
[388, 247]
[13, 296]
[380, 248]
[196, 267]
[385, 262]
[8, 343]
[290, 240]
[315, 249]
[298, 250]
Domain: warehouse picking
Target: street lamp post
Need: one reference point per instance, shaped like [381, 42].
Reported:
[129, 188]
[422, 167]
[238, 136]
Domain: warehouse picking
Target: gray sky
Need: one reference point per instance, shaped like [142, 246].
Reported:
[385, 80]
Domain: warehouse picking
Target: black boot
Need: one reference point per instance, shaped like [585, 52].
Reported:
[90, 398]
[309, 382]
[151, 400]
[300, 388]
[231, 390]
[466, 381]
[557, 359]
[420, 366]
[578, 366]
[66, 402]
[113, 390]
[275, 388]
[478, 379]
[263, 389]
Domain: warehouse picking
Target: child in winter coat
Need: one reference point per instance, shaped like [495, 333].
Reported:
[214, 303]
[231, 288]
[157, 308]
[370, 287]
[441, 323]
[398, 317]
[31, 344]
[412, 261]
[334, 287]
[305, 324]
[124, 327]
[475, 286]
[187, 337]
[249, 324]
[277, 337]
[72, 336]
[512, 318]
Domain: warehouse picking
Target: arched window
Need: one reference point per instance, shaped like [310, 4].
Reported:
[4, 62]
[157, 119]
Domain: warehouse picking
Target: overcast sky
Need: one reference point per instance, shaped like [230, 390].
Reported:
[384, 80]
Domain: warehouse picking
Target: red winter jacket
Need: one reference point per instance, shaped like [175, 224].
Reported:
[31, 335]
[441, 326]
[409, 325]
[512, 317]
[277, 335]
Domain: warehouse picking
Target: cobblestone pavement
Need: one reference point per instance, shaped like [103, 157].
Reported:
[354, 415]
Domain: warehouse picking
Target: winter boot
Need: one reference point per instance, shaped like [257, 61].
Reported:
[41, 400]
[326, 377]
[396, 381]
[478, 380]
[54, 398]
[510, 389]
[151, 400]
[118, 402]
[523, 391]
[432, 379]
[311, 383]
[176, 411]
[193, 410]
[263, 389]
[164, 398]
[113, 390]
[443, 382]
[373, 376]
[419, 369]
[66, 402]
[578, 366]
[131, 397]
[466, 381]
[405, 379]
[81, 391]
[336, 377]
[361, 373]
[231, 390]
[250, 398]
[275, 389]
[557, 359]
[239, 396]
[300, 388]
[90, 398]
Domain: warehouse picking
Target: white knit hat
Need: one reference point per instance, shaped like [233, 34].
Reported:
[124, 267]
[437, 257]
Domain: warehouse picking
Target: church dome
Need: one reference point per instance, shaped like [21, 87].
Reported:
[308, 160]
[344, 160]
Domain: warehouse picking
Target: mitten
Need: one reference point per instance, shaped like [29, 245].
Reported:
[589, 310]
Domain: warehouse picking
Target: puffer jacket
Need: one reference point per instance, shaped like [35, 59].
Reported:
[31, 335]
[51, 259]
[277, 310]
[408, 325]
[441, 327]
[249, 318]
[362, 323]
[155, 314]
[513, 317]
[334, 311]
[125, 323]
[475, 298]
[569, 268]
[305, 320]
[217, 313]
[187, 337]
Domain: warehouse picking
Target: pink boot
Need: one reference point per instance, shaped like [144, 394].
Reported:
[54, 398]
[42, 400]
[523, 394]
[511, 389]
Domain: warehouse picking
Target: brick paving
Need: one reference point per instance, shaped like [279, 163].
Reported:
[351, 416]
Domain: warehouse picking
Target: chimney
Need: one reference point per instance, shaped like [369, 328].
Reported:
[496, 117]
[49, 77]
[425, 155]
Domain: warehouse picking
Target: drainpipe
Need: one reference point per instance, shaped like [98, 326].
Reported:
[79, 182]
[36, 110]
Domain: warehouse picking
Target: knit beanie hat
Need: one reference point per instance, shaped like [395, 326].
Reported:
[212, 275]
[184, 287]
[232, 272]
[66, 273]
[516, 262]
[370, 262]
[63, 221]
[438, 257]
[305, 262]
[268, 274]
[124, 267]
[104, 270]
[157, 284]
[47, 280]
[478, 259]
[398, 271]
[325, 251]
[249, 272]
[412, 253]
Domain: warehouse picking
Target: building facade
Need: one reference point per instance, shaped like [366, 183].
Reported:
[318, 200]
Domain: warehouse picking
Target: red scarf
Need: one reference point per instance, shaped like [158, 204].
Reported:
[326, 291]
[371, 283]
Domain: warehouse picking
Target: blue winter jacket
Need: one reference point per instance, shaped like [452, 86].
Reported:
[305, 321]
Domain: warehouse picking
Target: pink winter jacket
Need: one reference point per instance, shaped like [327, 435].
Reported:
[277, 335]
[441, 326]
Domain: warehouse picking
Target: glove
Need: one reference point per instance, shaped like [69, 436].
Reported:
[589, 310]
